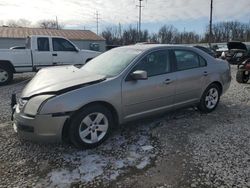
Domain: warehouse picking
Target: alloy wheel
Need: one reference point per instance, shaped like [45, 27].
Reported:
[212, 98]
[93, 127]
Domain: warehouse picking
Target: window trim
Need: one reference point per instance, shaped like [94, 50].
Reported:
[75, 50]
[127, 77]
[38, 46]
[175, 60]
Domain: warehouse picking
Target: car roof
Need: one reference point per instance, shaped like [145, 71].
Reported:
[145, 47]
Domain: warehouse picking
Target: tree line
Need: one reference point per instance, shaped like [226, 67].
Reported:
[45, 24]
[168, 34]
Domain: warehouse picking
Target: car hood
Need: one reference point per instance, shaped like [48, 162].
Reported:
[236, 45]
[56, 80]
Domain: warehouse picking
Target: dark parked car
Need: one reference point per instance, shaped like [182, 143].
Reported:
[237, 53]
[243, 72]
[207, 50]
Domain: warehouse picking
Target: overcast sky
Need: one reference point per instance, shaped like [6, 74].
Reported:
[192, 15]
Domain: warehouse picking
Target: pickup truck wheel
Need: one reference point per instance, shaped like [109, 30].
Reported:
[241, 77]
[91, 126]
[209, 99]
[6, 75]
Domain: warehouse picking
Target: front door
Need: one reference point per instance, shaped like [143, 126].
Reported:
[144, 97]
[64, 53]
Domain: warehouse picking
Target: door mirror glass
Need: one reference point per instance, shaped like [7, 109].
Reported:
[139, 75]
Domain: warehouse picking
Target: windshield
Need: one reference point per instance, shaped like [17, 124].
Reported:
[112, 62]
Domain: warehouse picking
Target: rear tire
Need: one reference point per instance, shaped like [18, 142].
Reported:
[241, 77]
[210, 99]
[6, 75]
[91, 126]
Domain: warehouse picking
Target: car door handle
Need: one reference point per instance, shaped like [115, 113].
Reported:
[168, 81]
[205, 73]
[54, 54]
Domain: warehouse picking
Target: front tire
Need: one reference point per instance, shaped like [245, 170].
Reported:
[91, 126]
[241, 77]
[210, 99]
[6, 75]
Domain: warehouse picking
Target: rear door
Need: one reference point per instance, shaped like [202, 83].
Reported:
[144, 97]
[191, 71]
[42, 56]
[64, 53]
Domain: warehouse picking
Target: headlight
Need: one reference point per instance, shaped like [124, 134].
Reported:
[22, 103]
[32, 106]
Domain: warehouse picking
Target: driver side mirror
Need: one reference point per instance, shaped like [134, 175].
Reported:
[77, 49]
[139, 75]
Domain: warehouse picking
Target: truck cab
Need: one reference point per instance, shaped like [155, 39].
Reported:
[41, 51]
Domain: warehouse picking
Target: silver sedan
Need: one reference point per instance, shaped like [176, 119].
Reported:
[83, 104]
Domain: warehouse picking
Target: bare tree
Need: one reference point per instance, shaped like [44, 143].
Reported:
[231, 30]
[222, 32]
[49, 24]
[167, 34]
[18, 23]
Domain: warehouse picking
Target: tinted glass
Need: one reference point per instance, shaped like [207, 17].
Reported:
[113, 62]
[186, 59]
[60, 44]
[43, 44]
[203, 62]
[155, 63]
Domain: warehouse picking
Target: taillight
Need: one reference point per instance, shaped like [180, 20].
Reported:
[247, 66]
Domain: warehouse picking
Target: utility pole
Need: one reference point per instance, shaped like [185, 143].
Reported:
[210, 24]
[139, 27]
[97, 21]
[57, 27]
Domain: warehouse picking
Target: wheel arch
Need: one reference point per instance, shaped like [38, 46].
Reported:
[103, 103]
[8, 64]
[219, 86]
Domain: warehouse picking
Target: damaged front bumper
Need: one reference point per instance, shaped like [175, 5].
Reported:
[40, 128]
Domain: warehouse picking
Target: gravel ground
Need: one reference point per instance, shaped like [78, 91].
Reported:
[180, 149]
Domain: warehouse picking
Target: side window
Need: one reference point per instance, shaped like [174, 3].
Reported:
[60, 44]
[155, 63]
[27, 43]
[186, 60]
[43, 44]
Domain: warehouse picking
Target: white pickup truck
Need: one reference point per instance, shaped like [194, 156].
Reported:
[39, 52]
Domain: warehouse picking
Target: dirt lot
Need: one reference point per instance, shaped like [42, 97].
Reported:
[179, 149]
